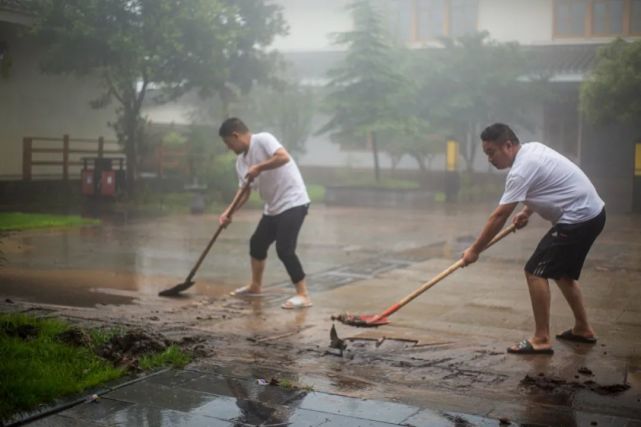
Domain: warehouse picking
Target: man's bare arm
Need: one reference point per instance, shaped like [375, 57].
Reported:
[494, 224]
[225, 217]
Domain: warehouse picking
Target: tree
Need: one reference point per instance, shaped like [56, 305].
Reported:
[286, 110]
[613, 90]
[173, 45]
[470, 82]
[364, 89]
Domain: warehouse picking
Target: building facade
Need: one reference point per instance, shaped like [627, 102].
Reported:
[561, 37]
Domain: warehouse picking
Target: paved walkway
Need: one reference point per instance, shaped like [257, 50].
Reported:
[195, 398]
[444, 351]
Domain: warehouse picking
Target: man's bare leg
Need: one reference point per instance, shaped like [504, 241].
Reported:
[540, 297]
[258, 267]
[301, 290]
[573, 295]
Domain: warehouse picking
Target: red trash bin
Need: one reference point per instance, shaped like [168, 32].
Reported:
[86, 176]
[108, 183]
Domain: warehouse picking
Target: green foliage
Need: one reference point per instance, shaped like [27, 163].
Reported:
[36, 367]
[285, 110]
[364, 90]
[173, 356]
[613, 90]
[223, 177]
[469, 83]
[24, 221]
[174, 138]
[41, 368]
[211, 46]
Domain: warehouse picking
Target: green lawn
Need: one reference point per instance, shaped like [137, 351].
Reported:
[386, 183]
[12, 221]
[36, 366]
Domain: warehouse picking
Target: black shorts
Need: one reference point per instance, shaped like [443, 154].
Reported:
[562, 251]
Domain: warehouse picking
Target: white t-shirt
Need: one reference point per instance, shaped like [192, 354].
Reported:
[551, 185]
[281, 188]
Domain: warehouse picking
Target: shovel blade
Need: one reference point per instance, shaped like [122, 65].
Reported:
[172, 292]
[362, 320]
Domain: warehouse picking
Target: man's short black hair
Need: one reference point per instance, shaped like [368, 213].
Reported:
[499, 133]
[231, 125]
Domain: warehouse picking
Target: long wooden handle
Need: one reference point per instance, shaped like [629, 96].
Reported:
[232, 208]
[451, 269]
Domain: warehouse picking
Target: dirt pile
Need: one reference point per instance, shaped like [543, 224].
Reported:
[24, 332]
[553, 384]
[126, 349]
[75, 337]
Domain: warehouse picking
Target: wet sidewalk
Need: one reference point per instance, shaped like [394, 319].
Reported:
[445, 351]
[196, 398]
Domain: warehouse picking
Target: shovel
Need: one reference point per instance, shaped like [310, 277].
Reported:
[374, 320]
[188, 283]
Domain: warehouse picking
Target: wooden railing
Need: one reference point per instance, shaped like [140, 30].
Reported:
[61, 151]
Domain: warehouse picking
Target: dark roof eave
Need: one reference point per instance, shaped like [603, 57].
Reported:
[17, 11]
[14, 17]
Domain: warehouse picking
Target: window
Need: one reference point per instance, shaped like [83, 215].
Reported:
[463, 17]
[423, 20]
[570, 17]
[430, 19]
[403, 24]
[635, 17]
[607, 17]
[594, 18]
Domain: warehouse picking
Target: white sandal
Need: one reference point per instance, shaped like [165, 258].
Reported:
[296, 302]
[243, 291]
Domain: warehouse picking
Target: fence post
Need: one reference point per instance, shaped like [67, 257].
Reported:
[65, 157]
[101, 146]
[26, 158]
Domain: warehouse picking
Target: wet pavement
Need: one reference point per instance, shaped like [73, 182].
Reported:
[445, 351]
[195, 398]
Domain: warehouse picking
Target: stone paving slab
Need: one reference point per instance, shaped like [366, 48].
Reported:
[393, 413]
[194, 398]
[190, 398]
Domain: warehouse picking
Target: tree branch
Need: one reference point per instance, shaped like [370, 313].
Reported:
[112, 88]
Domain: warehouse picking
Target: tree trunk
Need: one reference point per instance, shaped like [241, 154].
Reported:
[131, 151]
[468, 152]
[371, 136]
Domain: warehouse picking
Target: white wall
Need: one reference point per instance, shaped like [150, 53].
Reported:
[32, 104]
[524, 21]
[311, 22]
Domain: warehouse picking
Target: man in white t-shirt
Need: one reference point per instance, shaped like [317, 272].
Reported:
[265, 162]
[552, 186]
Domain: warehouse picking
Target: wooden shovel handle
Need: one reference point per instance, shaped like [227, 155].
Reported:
[451, 269]
[234, 204]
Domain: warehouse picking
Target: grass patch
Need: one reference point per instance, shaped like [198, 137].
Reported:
[291, 385]
[172, 356]
[38, 366]
[13, 221]
[386, 183]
